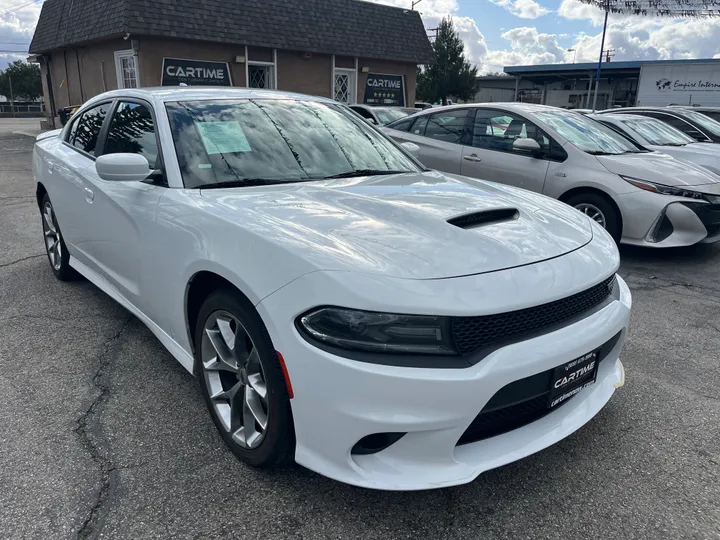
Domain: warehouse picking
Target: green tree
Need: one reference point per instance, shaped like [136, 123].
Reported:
[451, 75]
[25, 79]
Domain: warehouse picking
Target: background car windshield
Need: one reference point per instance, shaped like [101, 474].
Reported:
[657, 132]
[389, 115]
[704, 121]
[587, 134]
[280, 140]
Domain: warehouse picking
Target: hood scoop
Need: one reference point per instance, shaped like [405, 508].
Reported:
[486, 217]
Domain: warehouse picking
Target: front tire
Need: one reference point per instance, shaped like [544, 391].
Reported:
[599, 209]
[242, 381]
[57, 251]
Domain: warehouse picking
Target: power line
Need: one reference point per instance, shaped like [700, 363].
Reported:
[19, 6]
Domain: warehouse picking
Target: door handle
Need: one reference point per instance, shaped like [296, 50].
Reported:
[89, 195]
[472, 157]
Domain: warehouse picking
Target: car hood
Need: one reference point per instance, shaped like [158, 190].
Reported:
[706, 155]
[660, 168]
[396, 225]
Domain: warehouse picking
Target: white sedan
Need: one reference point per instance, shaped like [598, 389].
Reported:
[640, 197]
[343, 307]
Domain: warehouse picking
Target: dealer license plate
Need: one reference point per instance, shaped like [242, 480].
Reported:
[570, 378]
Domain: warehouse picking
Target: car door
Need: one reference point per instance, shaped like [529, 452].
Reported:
[491, 156]
[440, 137]
[120, 215]
[75, 171]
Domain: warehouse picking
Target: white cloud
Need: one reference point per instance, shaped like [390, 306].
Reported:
[16, 30]
[525, 9]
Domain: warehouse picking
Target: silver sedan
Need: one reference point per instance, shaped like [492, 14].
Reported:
[640, 197]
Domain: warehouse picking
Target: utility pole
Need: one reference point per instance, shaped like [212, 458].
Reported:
[609, 53]
[602, 46]
[12, 99]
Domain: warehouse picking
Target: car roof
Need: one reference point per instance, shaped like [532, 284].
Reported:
[620, 117]
[201, 93]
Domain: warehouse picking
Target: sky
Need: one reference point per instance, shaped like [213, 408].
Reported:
[496, 33]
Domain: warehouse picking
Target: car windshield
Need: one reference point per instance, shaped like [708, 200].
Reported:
[703, 121]
[389, 114]
[587, 134]
[657, 132]
[257, 141]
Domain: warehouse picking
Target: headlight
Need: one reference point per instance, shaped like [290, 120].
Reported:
[664, 190]
[378, 332]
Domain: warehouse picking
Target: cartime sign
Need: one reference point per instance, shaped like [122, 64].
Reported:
[177, 71]
[385, 90]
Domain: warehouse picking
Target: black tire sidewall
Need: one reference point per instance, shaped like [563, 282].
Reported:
[65, 272]
[612, 219]
[277, 448]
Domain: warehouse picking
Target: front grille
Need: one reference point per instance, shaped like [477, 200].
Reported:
[473, 333]
[520, 403]
[501, 421]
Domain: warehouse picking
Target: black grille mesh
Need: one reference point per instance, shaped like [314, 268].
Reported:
[472, 333]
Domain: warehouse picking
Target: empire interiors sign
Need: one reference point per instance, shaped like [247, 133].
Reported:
[385, 90]
[679, 85]
[177, 71]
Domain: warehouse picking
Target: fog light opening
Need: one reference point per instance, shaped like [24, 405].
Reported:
[372, 444]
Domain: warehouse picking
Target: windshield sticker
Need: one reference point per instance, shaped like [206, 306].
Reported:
[223, 137]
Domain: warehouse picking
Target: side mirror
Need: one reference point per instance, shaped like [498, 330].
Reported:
[413, 148]
[123, 167]
[530, 146]
[371, 121]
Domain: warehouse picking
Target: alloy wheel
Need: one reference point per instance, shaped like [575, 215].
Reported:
[593, 212]
[53, 240]
[235, 379]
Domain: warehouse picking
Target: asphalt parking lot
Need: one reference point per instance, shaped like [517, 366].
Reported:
[104, 435]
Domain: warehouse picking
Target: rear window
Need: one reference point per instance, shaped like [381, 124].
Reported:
[85, 130]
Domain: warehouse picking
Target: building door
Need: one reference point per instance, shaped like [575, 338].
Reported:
[126, 69]
[345, 86]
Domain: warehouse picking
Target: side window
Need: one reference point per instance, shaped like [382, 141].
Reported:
[84, 133]
[132, 131]
[418, 128]
[448, 126]
[497, 131]
[362, 112]
[401, 125]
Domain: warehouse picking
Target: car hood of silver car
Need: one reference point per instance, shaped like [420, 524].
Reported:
[411, 225]
[659, 168]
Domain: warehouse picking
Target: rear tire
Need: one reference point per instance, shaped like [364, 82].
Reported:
[57, 252]
[242, 381]
[598, 208]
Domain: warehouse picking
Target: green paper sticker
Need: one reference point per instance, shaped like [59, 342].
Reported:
[223, 137]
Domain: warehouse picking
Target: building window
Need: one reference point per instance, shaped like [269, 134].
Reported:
[345, 86]
[261, 76]
[126, 69]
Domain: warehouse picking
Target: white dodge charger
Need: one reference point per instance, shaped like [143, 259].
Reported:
[343, 307]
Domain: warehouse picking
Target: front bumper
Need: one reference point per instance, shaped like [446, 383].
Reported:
[340, 401]
[677, 222]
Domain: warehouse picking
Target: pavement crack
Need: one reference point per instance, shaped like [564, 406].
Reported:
[3, 265]
[90, 440]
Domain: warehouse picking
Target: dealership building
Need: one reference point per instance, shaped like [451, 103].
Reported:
[622, 84]
[348, 50]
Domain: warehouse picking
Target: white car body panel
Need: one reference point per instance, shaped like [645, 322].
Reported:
[640, 210]
[377, 244]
